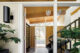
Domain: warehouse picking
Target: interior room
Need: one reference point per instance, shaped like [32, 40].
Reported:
[39, 22]
[40, 27]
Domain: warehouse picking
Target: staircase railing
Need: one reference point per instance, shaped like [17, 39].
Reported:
[75, 11]
[69, 25]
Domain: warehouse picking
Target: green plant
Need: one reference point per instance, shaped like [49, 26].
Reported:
[73, 33]
[66, 33]
[4, 30]
[74, 50]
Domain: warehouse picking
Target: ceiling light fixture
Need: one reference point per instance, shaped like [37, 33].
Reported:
[48, 12]
[59, 12]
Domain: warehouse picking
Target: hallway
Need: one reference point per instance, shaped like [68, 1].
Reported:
[39, 50]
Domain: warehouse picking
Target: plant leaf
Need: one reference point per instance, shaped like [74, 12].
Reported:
[76, 44]
[15, 39]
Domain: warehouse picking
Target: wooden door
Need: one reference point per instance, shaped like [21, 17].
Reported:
[32, 36]
[49, 32]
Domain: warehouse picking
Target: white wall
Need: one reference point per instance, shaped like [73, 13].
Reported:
[14, 24]
[78, 0]
[67, 18]
[70, 18]
[75, 16]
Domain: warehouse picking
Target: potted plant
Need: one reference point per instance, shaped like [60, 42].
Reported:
[76, 35]
[72, 34]
[4, 30]
[66, 33]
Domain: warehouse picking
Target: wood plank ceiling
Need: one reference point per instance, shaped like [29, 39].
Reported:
[31, 0]
[33, 12]
[38, 14]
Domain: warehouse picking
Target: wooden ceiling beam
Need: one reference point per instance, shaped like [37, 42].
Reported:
[41, 19]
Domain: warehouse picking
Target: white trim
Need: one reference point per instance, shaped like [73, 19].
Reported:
[38, 4]
[31, 4]
[68, 4]
[21, 20]
[55, 29]
[21, 29]
[21, 23]
[43, 24]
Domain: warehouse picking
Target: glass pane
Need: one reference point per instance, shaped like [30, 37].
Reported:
[40, 19]
[68, 29]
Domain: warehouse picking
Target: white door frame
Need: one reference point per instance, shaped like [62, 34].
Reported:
[22, 19]
[39, 4]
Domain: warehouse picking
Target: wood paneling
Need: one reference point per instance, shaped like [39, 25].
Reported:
[4, 0]
[33, 12]
[27, 36]
[63, 8]
[49, 32]
[32, 36]
[59, 28]
[38, 14]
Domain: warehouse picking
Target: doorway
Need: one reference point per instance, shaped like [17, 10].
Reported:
[55, 15]
[39, 19]
[40, 36]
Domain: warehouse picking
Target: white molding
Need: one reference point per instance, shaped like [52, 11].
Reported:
[21, 29]
[38, 4]
[68, 4]
[55, 28]
[21, 23]
[31, 4]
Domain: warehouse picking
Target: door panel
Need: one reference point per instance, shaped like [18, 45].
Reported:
[32, 36]
[49, 32]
